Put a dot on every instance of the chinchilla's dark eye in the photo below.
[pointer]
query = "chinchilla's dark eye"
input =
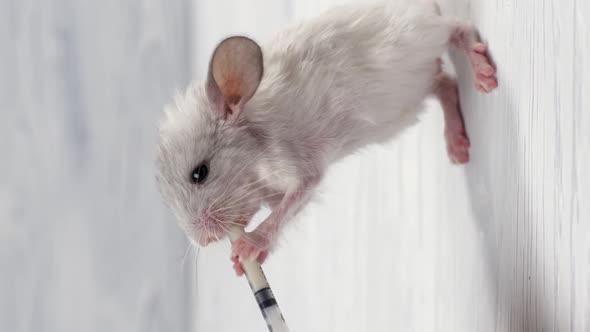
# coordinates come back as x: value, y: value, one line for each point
x: 199, y: 174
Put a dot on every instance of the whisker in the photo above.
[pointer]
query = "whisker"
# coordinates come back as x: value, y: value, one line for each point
x: 223, y: 225
x: 230, y: 199
x: 239, y: 172
x: 197, y: 251
x: 231, y: 223
x: 233, y: 200
x: 244, y: 186
x: 207, y: 231
x: 224, y: 228
x: 241, y: 203
x: 264, y: 232
x: 238, y: 204
x: 248, y: 164
x: 186, y: 251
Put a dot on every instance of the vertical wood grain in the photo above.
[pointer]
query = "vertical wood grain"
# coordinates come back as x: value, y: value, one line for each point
x: 85, y: 244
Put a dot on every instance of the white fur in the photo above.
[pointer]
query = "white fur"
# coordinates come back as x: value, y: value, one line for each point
x: 355, y: 75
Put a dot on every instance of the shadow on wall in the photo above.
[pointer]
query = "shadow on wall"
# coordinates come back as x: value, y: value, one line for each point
x: 498, y: 193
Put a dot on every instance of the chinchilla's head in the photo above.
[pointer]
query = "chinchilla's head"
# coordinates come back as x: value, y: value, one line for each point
x: 207, y: 153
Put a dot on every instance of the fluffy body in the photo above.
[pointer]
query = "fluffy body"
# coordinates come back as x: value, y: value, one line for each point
x: 354, y: 76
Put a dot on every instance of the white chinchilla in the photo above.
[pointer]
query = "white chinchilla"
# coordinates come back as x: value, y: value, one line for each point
x: 268, y: 121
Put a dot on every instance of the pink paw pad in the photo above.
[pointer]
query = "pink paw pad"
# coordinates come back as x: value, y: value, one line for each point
x: 485, y: 73
x: 458, y: 146
x: 239, y: 269
x: 247, y: 248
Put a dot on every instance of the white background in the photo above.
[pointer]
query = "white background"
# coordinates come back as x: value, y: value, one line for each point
x: 399, y: 240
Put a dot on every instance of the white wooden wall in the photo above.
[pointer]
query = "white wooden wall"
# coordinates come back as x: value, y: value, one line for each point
x: 85, y: 244
x: 399, y: 239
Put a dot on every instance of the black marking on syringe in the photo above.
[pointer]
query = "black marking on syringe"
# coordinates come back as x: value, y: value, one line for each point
x: 265, y: 298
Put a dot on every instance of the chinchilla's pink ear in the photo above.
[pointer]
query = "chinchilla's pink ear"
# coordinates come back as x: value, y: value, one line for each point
x: 235, y: 71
